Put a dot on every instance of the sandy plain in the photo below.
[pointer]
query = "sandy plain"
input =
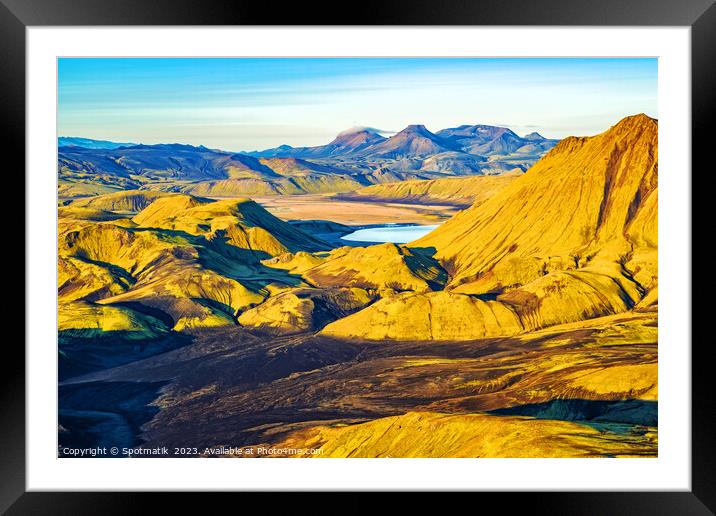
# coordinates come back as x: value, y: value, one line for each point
x: 354, y: 213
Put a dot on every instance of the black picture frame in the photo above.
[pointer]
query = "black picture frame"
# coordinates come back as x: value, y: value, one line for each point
x: 700, y: 15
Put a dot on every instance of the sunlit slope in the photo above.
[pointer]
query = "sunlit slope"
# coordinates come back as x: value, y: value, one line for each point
x: 458, y: 190
x: 181, y: 276
x: 436, y: 435
x: 242, y: 222
x: 78, y: 213
x: 383, y: 266
x: 290, y: 176
x: 428, y: 316
x: 310, y: 184
x: 195, y: 262
x: 572, y: 239
x: 75, y: 189
x: 344, y: 280
x: 588, y: 198
x: 82, y: 319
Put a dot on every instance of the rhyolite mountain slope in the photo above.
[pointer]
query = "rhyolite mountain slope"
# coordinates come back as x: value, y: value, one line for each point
x: 589, y: 198
x: 130, y: 201
x: 168, y: 261
x: 572, y: 239
x: 383, y: 266
x: 144, y: 263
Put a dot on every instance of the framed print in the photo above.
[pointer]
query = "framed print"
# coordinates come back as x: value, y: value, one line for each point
x: 418, y: 252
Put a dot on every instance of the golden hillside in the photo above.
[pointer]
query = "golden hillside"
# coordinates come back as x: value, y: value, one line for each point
x: 194, y: 261
x: 291, y: 185
x: 428, y: 316
x: 436, y: 435
x: 383, y: 266
x: 573, y: 238
x: 587, y: 199
x: 241, y: 221
x: 454, y: 190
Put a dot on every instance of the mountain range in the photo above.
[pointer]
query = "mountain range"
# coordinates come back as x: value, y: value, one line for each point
x: 417, y: 141
x: 355, y: 158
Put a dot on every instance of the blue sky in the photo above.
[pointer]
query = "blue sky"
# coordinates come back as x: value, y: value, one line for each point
x: 256, y: 103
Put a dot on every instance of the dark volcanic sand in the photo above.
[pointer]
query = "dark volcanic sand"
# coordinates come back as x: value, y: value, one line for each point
x: 232, y: 387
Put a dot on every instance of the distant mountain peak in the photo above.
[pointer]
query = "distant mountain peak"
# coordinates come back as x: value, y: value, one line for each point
x: 412, y: 142
x: 359, y: 129
x: 416, y: 128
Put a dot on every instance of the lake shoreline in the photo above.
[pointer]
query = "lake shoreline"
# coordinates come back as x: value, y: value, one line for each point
x: 395, y: 233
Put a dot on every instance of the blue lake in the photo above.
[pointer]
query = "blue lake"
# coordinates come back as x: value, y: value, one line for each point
x: 389, y: 233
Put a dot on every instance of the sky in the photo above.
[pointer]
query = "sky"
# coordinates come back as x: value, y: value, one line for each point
x: 257, y: 103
